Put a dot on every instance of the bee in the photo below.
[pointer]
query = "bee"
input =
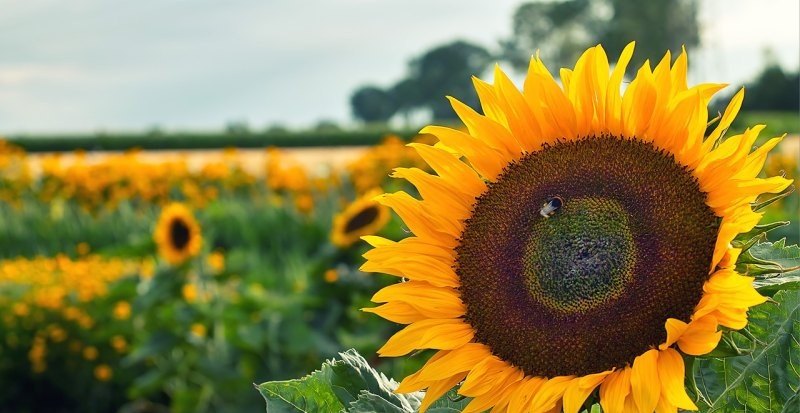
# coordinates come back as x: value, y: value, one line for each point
x: 551, y: 206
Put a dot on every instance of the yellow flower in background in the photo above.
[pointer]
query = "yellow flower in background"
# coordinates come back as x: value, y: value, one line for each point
x: 119, y: 344
x: 82, y: 248
x: 304, y: 203
x: 103, y: 372
x: 331, y: 275
x: 122, y: 310
x: 575, y: 240
x: 177, y: 234
x: 198, y: 330
x: 362, y: 217
x: 216, y: 260
x: 90, y: 353
x: 189, y: 292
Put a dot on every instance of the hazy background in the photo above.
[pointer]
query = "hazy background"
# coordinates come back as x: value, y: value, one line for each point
x: 92, y: 64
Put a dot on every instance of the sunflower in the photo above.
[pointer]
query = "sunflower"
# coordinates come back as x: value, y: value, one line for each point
x: 575, y: 242
x: 177, y: 234
x: 362, y: 217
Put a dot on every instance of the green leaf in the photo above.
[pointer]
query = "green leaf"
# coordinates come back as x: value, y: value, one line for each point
x: 344, y: 384
x: 758, y: 230
x: 768, y: 379
x: 354, y: 374
x: 451, y: 402
x: 312, y: 393
x: 780, y: 264
x: 372, y: 403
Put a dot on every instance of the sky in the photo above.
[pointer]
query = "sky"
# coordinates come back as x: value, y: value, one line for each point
x: 89, y: 65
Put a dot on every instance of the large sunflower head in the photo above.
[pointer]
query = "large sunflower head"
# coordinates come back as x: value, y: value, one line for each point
x: 575, y: 242
x: 361, y: 217
x: 177, y: 234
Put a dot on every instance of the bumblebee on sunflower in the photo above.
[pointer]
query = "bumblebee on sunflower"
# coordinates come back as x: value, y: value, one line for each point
x: 177, y: 234
x: 575, y: 242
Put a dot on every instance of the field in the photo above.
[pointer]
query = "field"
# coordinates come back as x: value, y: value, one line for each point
x: 101, y: 312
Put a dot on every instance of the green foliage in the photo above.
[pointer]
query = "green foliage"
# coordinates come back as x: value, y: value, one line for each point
x: 775, y: 266
x: 372, y: 104
x: 348, y: 384
x: 767, y: 377
x: 203, y: 140
x: 561, y: 30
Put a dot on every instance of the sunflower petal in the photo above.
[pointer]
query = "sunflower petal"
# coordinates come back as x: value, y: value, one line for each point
x: 440, y: 334
x: 645, y: 386
x: 671, y: 376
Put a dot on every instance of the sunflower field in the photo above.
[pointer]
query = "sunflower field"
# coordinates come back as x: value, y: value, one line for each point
x: 153, y: 284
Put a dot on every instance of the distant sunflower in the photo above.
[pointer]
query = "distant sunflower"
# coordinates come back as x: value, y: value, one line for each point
x: 362, y: 217
x: 581, y: 244
x: 177, y: 234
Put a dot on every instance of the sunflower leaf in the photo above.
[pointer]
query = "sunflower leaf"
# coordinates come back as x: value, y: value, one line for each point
x: 346, y: 384
x: 775, y: 266
x: 372, y: 403
x: 783, y: 194
x: 758, y: 230
x: 451, y: 402
x: 767, y: 379
x: 312, y: 393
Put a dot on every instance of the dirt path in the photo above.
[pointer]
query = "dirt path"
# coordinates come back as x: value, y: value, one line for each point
x: 315, y: 159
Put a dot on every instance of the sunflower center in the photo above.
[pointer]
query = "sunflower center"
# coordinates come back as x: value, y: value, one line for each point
x: 578, y: 253
x: 588, y: 245
x: 179, y: 233
x: 363, y: 218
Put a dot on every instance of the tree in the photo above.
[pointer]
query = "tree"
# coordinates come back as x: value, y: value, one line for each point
x: 372, y: 104
x: 563, y: 29
x: 444, y: 71
x: 774, y: 90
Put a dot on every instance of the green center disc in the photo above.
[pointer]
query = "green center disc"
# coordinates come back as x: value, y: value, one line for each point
x: 589, y: 249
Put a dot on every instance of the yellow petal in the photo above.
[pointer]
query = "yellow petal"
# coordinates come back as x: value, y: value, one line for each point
x: 614, y: 390
x: 487, y: 130
x: 671, y: 374
x: 725, y: 122
x: 450, y: 168
x: 437, y: 334
x: 579, y: 389
x: 700, y: 337
x: 675, y: 329
x: 397, y: 312
x: 645, y: 386
x: 550, y: 393
x: 486, y: 160
x: 459, y: 360
x: 613, y: 111
x: 438, y: 389
x: 415, y: 216
x: 520, y: 402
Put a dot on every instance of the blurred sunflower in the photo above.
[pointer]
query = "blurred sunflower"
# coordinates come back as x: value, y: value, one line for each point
x: 362, y: 217
x: 581, y: 245
x: 177, y: 234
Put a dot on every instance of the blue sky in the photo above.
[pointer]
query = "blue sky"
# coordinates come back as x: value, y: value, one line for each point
x: 84, y: 65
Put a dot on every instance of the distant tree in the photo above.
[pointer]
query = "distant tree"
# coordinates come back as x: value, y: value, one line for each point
x: 372, y: 104
x: 563, y: 29
x: 407, y: 97
x: 559, y: 31
x: 656, y: 25
x: 444, y: 71
x: 237, y: 127
x: 327, y: 125
x: 277, y: 128
x: 774, y: 89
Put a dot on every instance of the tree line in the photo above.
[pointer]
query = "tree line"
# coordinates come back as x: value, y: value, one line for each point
x: 560, y: 31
